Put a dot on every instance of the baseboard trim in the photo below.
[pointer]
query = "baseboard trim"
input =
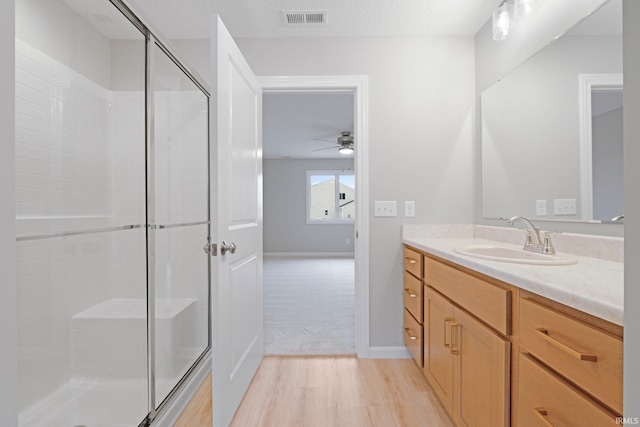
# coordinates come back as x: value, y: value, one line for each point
x: 171, y: 413
x: 310, y: 254
x: 389, y: 352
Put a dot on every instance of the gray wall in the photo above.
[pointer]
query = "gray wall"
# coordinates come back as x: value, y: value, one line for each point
x: 420, y: 138
x: 421, y: 97
x: 631, y: 105
x: 8, y: 314
x: 285, y: 207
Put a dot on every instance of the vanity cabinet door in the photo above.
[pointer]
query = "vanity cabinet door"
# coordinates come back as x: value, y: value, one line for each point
x: 438, y: 360
x: 481, y: 369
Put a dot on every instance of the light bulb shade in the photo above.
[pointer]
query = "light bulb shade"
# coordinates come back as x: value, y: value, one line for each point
x: 345, y: 149
x: 524, y: 7
x: 503, y: 20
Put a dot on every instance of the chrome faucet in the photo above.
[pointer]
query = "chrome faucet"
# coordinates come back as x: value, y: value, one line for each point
x: 542, y: 244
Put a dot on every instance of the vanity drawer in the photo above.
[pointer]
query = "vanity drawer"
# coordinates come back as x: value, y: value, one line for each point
x: 413, y: 296
x: 413, y: 262
x: 490, y: 303
x: 586, y: 356
x: 413, y: 337
x: 547, y: 400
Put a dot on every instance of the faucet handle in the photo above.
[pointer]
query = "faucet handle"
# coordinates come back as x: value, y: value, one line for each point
x: 547, y: 247
x: 528, y: 243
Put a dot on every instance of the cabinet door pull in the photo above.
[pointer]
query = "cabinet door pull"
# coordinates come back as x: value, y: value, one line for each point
x: 452, y: 349
x: 411, y: 294
x: 411, y: 260
x: 544, y: 334
x: 541, y: 413
x: 411, y: 336
x: 446, y: 320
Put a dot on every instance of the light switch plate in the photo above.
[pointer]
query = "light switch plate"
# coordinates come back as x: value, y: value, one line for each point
x: 385, y: 208
x: 564, y: 206
x: 409, y: 209
x: 541, y: 207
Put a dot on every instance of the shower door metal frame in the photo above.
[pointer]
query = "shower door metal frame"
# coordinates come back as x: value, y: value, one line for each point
x: 153, y: 39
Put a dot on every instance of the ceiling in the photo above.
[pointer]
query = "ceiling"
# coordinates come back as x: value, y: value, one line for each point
x: 189, y: 19
x: 294, y: 125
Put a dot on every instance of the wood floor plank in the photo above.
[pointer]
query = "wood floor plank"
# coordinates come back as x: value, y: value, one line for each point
x: 198, y: 411
x: 331, y: 391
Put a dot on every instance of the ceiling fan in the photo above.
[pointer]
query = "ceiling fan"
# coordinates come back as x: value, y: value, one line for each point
x: 344, y: 142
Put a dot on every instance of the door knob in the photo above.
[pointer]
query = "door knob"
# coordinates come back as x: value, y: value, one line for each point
x: 227, y: 247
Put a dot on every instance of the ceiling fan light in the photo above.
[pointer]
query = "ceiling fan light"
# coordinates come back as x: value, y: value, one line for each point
x: 345, y: 149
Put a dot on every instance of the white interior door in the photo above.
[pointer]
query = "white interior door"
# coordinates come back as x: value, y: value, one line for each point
x: 237, y: 332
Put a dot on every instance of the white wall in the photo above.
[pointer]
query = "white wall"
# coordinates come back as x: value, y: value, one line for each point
x: 8, y: 307
x: 631, y: 105
x: 420, y: 138
x: 54, y: 28
x: 285, y: 198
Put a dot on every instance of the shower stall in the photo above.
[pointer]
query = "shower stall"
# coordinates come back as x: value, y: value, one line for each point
x: 112, y: 213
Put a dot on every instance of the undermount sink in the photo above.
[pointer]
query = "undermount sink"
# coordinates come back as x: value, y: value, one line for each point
x: 519, y: 256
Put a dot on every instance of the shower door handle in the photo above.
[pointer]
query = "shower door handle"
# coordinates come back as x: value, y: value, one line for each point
x: 227, y: 247
x: 211, y: 249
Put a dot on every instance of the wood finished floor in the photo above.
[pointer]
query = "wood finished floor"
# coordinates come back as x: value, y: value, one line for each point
x: 330, y: 391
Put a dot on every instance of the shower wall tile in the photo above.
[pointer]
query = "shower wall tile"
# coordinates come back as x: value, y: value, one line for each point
x: 63, y: 154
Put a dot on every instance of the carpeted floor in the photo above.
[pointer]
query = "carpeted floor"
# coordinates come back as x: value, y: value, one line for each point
x: 309, y: 306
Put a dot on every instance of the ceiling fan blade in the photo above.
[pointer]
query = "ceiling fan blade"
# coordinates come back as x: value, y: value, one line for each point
x: 325, y: 140
x: 327, y: 148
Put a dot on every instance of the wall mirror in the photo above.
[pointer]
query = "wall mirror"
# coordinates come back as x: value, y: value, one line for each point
x: 552, y: 128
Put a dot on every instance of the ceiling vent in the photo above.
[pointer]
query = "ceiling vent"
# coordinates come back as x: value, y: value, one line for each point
x: 304, y: 17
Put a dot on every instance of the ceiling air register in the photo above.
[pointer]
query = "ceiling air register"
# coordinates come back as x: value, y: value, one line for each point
x: 304, y: 17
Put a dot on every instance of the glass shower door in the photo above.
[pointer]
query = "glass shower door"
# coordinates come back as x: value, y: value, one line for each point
x: 80, y: 215
x: 180, y: 161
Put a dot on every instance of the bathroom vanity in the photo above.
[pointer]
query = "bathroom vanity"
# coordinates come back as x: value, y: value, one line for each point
x: 511, y: 343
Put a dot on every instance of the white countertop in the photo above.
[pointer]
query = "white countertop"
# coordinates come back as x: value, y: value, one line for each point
x: 593, y: 285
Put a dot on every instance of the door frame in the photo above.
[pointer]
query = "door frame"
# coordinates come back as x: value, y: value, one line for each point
x: 587, y: 84
x: 358, y: 86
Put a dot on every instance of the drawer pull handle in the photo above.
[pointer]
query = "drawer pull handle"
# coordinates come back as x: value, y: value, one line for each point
x: 446, y: 320
x: 544, y: 334
x: 541, y: 413
x: 411, y: 260
x: 452, y: 349
x: 411, y: 294
x: 411, y: 336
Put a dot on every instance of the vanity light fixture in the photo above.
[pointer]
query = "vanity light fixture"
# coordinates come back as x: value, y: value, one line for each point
x: 503, y: 20
x: 524, y: 7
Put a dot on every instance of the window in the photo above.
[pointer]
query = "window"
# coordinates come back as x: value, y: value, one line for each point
x: 330, y: 197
